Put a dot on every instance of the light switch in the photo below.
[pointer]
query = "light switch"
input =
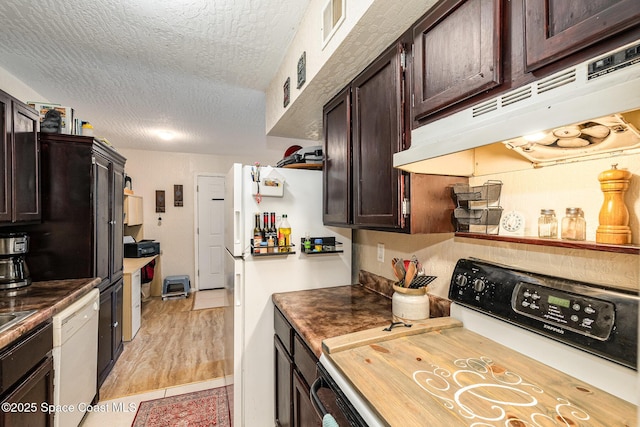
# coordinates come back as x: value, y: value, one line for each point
x: 381, y: 252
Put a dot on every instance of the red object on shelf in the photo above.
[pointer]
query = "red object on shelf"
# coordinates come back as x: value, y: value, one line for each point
x: 291, y: 150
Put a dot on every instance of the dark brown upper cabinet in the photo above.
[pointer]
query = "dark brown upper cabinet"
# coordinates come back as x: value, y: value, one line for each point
x: 457, y: 54
x: 364, y: 125
x: 20, y: 158
x: 555, y: 29
x: 378, y: 129
x: 336, y: 207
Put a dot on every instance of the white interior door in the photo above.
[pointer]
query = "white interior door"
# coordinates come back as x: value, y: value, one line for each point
x: 210, y: 232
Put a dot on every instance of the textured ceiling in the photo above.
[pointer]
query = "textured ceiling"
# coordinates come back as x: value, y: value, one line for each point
x: 196, y: 67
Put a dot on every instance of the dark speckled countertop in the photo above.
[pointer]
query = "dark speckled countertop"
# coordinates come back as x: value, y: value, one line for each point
x: 329, y: 312
x: 49, y: 298
x: 319, y: 314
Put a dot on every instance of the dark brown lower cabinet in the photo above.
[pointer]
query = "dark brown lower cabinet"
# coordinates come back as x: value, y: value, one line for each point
x: 303, y: 412
x: 28, y: 398
x: 284, y: 372
x: 110, y: 342
x: 294, y: 373
x: 27, y: 381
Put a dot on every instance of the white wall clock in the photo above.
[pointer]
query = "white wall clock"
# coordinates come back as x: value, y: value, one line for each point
x: 512, y: 224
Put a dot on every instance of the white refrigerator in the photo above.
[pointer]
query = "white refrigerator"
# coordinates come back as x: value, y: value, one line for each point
x: 250, y: 280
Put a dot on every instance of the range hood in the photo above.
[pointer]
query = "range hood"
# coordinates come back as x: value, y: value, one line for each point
x: 586, y: 111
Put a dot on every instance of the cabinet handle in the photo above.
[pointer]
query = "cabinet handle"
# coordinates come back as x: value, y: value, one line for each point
x: 115, y: 325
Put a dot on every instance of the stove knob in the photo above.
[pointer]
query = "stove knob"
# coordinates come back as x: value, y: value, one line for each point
x: 461, y: 280
x: 479, y: 285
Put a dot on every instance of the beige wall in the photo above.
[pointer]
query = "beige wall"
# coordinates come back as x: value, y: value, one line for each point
x: 555, y: 187
x: 155, y: 170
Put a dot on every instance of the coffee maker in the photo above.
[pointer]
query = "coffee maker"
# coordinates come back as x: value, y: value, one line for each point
x: 14, y: 273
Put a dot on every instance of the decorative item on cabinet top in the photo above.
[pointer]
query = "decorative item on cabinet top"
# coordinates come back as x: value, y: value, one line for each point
x: 55, y: 118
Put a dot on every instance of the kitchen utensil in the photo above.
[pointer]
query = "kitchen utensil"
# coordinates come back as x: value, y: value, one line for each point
x: 421, y: 281
x: 613, y: 218
x: 394, y: 261
x: 399, y: 270
x: 410, y: 274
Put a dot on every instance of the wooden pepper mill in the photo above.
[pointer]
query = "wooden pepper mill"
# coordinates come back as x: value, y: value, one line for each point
x: 613, y: 219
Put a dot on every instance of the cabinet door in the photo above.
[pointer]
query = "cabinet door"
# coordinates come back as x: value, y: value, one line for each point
x: 284, y: 370
x: 133, y: 209
x: 25, y: 165
x: 118, y: 306
x: 556, y: 28
x: 304, y: 414
x: 336, y: 206
x: 117, y: 219
x: 135, y: 302
x: 35, y: 389
x: 102, y: 218
x: 376, y: 106
x: 105, y: 361
x: 457, y: 54
x: 5, y: 158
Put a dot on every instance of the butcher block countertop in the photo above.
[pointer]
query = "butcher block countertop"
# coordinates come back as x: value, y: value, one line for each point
x: 49, y: 298
x: 439, y: 373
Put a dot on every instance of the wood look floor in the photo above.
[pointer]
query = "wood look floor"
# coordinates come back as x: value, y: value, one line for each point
x: 174, y: 346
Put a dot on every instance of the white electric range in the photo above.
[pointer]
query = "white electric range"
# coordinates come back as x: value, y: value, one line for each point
x: 520, y: 349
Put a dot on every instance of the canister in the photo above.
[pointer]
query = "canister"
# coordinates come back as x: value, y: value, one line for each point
x: 574, y: 227
x: 409, y: 305
x: 547, y: 224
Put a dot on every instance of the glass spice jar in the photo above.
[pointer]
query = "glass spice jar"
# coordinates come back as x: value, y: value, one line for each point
x: 574, y: 227
x: 547, y: 224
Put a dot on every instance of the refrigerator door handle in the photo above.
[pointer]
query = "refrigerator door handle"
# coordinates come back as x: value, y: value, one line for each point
x: 236, y: 229
x: 237, y: 286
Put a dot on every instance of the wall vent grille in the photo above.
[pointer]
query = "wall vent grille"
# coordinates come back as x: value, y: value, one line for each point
x: 557, y: 81
x: 485, y: 108
x: 516, y: 96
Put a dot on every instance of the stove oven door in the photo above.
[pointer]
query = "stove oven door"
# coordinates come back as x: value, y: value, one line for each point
x: 329, y: 401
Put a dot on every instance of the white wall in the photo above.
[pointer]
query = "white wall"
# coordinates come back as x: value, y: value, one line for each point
x: 556, y: 187
x: 159, y: 170
x: 16, y: 88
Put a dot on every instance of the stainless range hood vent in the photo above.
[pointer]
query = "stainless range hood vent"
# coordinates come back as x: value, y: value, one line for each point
x: 556, y: 81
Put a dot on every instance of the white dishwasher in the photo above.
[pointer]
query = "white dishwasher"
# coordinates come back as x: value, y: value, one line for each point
x: 75, y: 359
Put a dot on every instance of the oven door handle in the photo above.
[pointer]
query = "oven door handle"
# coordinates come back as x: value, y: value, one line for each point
x: 327, y: 418
x: 315, y: 399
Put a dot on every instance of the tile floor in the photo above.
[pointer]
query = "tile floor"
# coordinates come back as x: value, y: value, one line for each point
x: 210, y: 298
x: 121, y: 412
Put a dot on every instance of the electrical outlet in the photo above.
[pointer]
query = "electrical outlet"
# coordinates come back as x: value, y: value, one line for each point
x: 381, y: 252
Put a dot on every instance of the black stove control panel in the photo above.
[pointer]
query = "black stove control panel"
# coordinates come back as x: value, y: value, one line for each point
x: 583, y: 315
x: 594, y: 318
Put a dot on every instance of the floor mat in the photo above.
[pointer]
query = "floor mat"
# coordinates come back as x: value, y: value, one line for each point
x: 197, y: 409
x: 210, y: 299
